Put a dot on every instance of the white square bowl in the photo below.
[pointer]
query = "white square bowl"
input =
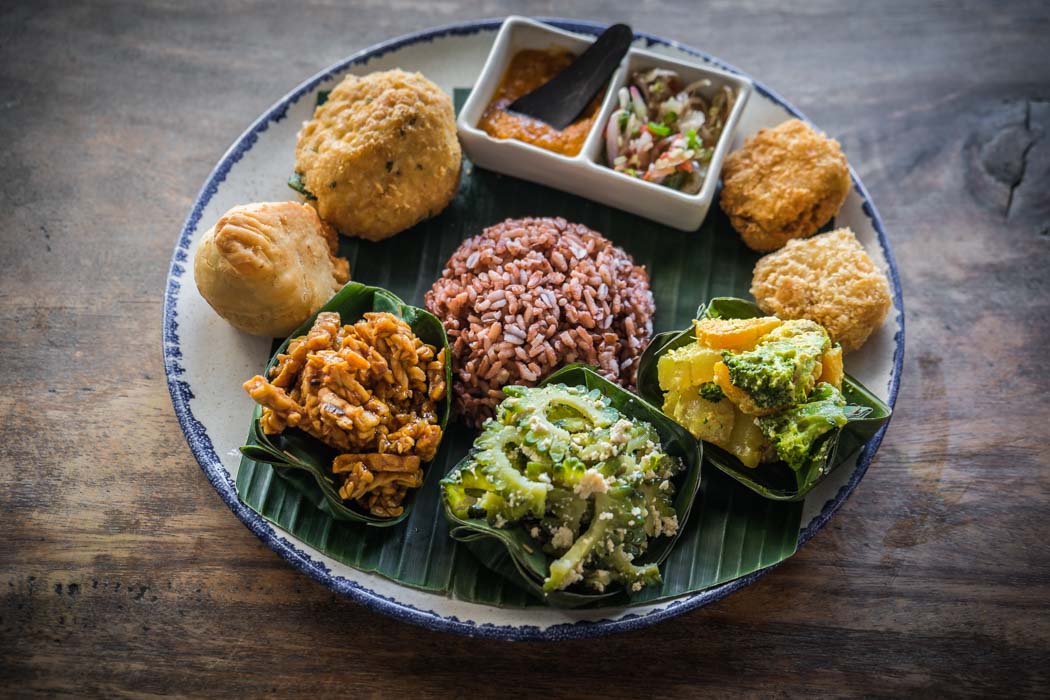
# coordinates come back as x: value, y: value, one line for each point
x: 585, y: 174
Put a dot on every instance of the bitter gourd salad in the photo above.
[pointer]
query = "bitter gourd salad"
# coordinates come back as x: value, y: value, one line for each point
x: 577, y: 483
x: 588, y: 483
x: 769, y: 397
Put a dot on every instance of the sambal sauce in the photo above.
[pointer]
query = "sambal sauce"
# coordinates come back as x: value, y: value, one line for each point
x: 528, y: 70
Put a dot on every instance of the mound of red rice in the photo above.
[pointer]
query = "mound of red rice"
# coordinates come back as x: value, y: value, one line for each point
x: 528, y: 296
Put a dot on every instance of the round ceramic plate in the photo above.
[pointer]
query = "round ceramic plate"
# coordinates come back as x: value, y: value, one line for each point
x: 206, y: 360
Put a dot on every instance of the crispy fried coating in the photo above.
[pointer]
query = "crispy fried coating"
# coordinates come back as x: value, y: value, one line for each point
x: 381, y: 154
x: 369, y: 390
x: 784, y: 183
x: 829, y: 279
x: 267, y: 267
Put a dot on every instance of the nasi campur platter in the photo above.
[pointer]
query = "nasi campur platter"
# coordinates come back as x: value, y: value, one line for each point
x: 468, y: 392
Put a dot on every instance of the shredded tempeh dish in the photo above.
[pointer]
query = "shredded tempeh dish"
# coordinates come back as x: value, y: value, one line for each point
x: 370, y: 390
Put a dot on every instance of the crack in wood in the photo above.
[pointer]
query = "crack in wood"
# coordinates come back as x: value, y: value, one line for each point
x: 1024, y: 158
x: 1006, y: 159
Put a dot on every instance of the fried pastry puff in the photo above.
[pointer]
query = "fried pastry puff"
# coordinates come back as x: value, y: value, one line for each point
x: 267, y: 267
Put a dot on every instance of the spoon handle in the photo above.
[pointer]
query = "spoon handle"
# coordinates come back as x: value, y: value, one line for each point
x: 561, y: 99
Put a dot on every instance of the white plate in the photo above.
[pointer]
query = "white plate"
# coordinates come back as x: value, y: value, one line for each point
x: 206, y: 360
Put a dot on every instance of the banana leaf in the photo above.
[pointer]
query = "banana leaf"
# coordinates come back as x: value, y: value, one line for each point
x: 530, y: 564
x: 295, y: 181
x: 303, y: 460
x: 774, y: 480
x: 731, y: 532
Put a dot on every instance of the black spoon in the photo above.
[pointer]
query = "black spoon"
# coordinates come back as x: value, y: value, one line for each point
x: 563, y: 98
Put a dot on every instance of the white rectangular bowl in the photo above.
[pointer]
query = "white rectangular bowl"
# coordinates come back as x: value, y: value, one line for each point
x: 585, y: 174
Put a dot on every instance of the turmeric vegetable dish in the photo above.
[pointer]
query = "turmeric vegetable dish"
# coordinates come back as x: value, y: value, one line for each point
x: 588, y: 483
x: 763, y: 389
x: 369, y: 390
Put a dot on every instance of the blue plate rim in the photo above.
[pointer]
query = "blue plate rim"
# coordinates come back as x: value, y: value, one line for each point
x: 200, y: 444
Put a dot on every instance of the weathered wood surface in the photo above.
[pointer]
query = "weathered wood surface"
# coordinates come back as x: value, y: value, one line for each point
x: 123, y: 573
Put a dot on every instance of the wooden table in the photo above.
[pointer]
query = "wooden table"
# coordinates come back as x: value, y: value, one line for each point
x: 124, y: 574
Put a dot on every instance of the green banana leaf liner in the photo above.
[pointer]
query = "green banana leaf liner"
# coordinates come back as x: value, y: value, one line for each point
x: 305, y: 461
x: 773, y: 480
x: 513, y: 553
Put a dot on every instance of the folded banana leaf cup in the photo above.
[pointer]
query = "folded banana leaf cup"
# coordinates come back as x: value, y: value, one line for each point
x: 774, y: 480
x: 512, y: 552
x: 305, y: 461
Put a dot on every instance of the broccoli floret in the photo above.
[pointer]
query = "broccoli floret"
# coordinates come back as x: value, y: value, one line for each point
x: 709, y: 391
x: 780, y: 370
x: 794, y: 431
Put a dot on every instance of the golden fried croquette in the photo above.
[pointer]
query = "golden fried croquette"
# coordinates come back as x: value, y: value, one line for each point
x: 784, y: 183
x: 381, y: 154
x: 269, y: 266
x: 828, y: 279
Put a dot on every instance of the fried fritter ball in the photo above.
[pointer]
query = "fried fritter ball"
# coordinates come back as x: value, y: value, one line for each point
x: 269, y: 266
x: 828, y: 279
x: 784, y: 183
x: 381, y: 154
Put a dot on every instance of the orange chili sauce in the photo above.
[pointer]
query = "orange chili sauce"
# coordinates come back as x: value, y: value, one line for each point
x: 528, y: 70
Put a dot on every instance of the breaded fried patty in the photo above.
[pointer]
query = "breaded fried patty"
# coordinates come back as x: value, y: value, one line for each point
x: 784, y: 183
x: 381, y: 154
x: 829, y: 279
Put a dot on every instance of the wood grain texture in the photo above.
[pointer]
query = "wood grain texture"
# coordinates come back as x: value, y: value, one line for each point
x: 123, y: 574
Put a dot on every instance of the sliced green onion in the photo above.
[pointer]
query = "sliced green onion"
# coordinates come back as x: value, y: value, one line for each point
x: 691, y: 141
x: 659, y: 129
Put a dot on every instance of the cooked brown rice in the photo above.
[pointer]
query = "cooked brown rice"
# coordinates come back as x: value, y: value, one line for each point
x: 530, y: 295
